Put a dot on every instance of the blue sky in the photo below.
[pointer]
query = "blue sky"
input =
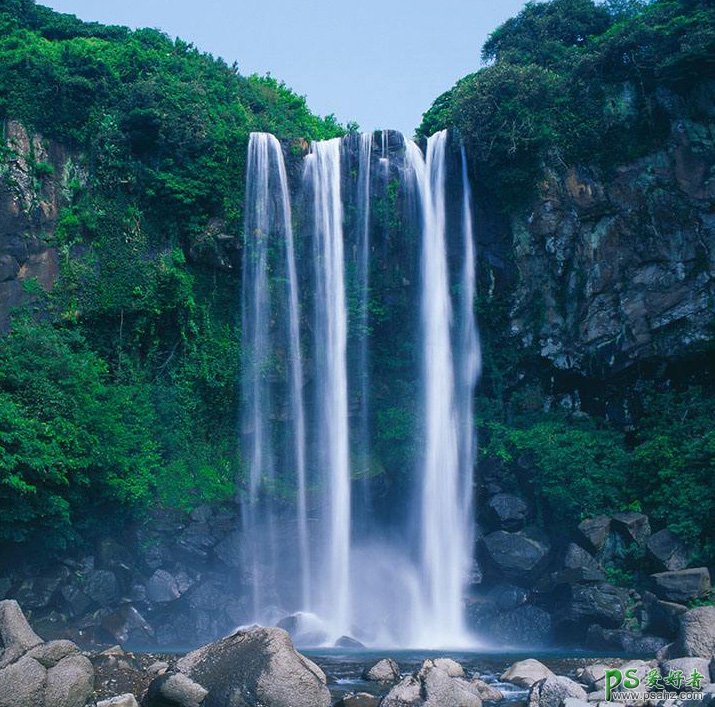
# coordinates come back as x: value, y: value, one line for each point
x: 379, y: 62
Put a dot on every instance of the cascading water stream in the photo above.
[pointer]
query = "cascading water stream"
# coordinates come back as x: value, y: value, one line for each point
x: 322, y: 170
x: 389, y: 579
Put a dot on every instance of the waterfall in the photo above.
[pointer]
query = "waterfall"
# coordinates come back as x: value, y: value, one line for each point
x: 384, y: 575
x: 269, y: 248
x: 322, y: 170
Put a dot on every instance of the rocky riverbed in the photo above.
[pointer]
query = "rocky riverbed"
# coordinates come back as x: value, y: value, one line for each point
x: 260, y: 667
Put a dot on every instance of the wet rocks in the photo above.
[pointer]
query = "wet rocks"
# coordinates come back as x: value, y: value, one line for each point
x: 32, y: 672
x: 668, y: 550
x: 257, y: 666
x: 526, y: 672
x: 697, y: 632
x: 385, y: 671
x: 515, y: 555
x: 682, y: 585
x: 553, y: 691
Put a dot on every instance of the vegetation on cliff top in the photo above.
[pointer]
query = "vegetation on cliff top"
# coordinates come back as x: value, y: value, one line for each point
x: 574, y: 81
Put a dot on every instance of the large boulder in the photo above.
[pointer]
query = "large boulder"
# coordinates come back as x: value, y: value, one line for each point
x: 255, y: 666
x: 162, y: 587
x: 553, y: 691
x: 582, y: 605
x: 16, y: 635
x: 507, y: 512
x: 595, y: 531
x: 697, y: 632
x: 176, y: 690
x: 127, y: 700
x: 38, y: 674
x: 442, y: 687
x: 682, y: 585
x: 515, y: 555
x: 525, y: 673
x: 407, y: 693
x: 583, y: 564
x: 526, y: 625
x: 662, y: 617
x: 668, y: 550
x: 385, y: 671
x: 687, y: 666
x: 633, y: 527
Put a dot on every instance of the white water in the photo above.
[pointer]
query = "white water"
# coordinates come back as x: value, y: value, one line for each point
x: 322, y: 170
x: 393, y: 586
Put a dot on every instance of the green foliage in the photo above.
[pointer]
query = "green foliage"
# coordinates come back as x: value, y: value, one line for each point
x: 69, y: 438
x: 572, y: 81
x: 125, y: 394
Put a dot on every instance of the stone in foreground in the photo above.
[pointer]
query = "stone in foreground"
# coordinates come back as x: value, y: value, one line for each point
x: 258, y: 666
x: 697, y: 632
x: 554, y: 691
x: 526, y: 672
x: 385, y: 671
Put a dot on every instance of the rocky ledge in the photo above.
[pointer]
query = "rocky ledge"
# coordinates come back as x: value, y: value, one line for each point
x: 259, y: 667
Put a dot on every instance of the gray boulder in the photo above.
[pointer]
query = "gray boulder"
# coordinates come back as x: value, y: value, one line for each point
x: 385, y: 671
x: 451, y: 667
x: 515, y: 555
x: 697, y: 632
x: 162, y: 587
x: 554, y: 690
x: 603, y: 604
x: 682, y: 585
x: 508, y: 512
x: 595, y: 531
x: 16, y: 635
x: 526, y: 672
x: 442, y: 689
x: 487, y: 692
x: 176, y: 690
x: 102, y: 587
x: 38, y: 674
x: 632, y: 526
x: 359, y: 699
x: 582, y: 563
x: 687, y: 665
x: 256, y: 666
x: 70, y: 683
x: 667, y: 549
x: 407, y: 693
x: 127, y: 700
x: 662, y: 617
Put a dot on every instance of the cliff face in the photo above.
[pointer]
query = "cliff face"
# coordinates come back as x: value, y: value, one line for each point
x: 34, y: 176
x: 612, y: 268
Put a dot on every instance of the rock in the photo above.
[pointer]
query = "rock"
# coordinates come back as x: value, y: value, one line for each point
x: 578, y: 559
x: 515, y: 555
x: 22, y: 684
x: 662, y: 617
x: 697, y: 632
x: 442, y: 690
x: 51, y: 653
x: 581, y: 605
x: 70, y: 683
x: 348, y: 642
x: 553, y: 690
x: 76, y: 601
x: 576, y: 702
x: 384, y: 671
x: 451, y: 667
x: 162, y: 587
x: 16, y: 636
x: 127, y: 700
x: 176, y: 690
x: 595, y: 531
x: 667, y: 549
x: 623, y: 640
x: 407, y: 693
x: 524, y: 626
x: 360, y: 699
x: 634, y: 527
x: 258, y: 665
x: 687, y: 665
x: 158, y: 668
x: 507, y: 596
x: 38, y: 592
x: 202, y: 513
x: 126, y: 623
x: 508, y: 512
x: 102, y: 587
x: 526, y: 672
x: 682, y: 585
x: 487, y: 692
x: 594, y: 675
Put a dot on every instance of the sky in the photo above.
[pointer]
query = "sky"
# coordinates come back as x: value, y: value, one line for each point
x: 380, y: 63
